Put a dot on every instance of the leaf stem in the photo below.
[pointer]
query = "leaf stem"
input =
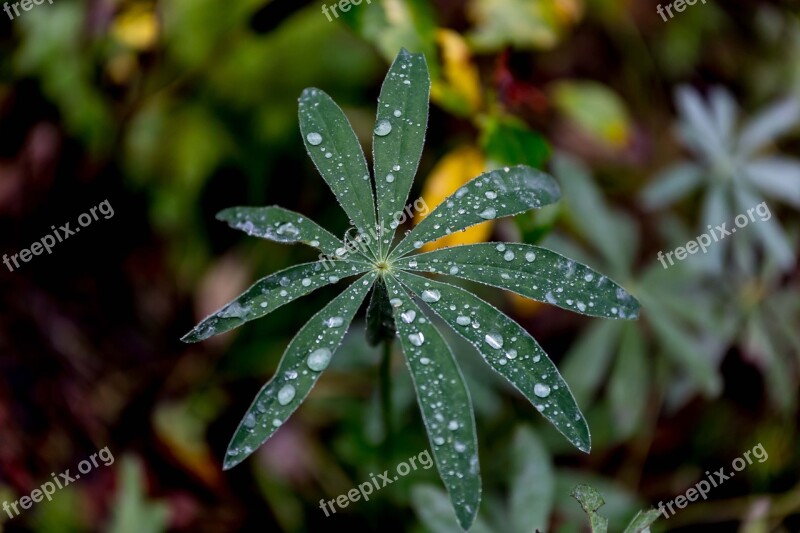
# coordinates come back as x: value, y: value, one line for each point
x: 386, y: 395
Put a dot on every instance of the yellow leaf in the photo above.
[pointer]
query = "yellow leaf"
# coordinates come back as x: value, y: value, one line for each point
x: 459, y: 87
x: 454, y: 170
x: 137, y: 27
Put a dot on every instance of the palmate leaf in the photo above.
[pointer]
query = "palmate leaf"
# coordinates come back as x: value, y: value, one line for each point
x: 495, y: 194
x: 301, y: 365
x: 281, y: 225
x: 443, y: 401
x: 533, y: 272
x: 272, y: 292
x: 509, y: 350
x: 399, y: 135
x: 334, y: 148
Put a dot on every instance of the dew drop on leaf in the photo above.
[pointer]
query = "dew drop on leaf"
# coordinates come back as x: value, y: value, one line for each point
x: 495, y: 340
x: 383, y: 128
x: 409, y: 316
x: 286, y: 394
x: 416, y: 339
x: 488, y: 214
x: 541, y: 390
x: 314, y: 138
x: 318, y: 359
x: 431, y: 295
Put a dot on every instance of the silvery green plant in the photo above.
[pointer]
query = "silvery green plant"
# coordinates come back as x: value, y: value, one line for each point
x: 397, y: 283
x: 732, y: 163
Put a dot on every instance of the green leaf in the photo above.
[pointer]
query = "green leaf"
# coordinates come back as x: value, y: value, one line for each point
x: 327, y: 132
x: 508, y: 141
x: 585, y: 364
x: 596, y: 109
x: 532, y: 483
x: 436, y: 514
x: 399, y: 136
x: 494, y: 194
x: 307, y: 355
x: 629, y: 383
x: 533, y: 272
x: 133, y: 512
x: 509, y: 350
x: 591, y: 501
x: 281, y: 225
x: 380, y: 322
x: 642, y: 521
x: 444, y: 402
x: 671, y: 185
x: 270, y: 293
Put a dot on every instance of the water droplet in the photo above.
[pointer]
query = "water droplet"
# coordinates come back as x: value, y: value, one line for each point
x: 530, y: 256
x: 541, y: 390
x: 334, y: 322
x: 306, y: 282
x: 396, y: 168
x: 588, y: 277
x: 395, y: 302
x: 508, y: 256
x: 283, y: 293
x: 418, y: 244
x: 500, y: 247
x: 409, y: 316
x: 511, y: 354
x: 276, y: 422
x: 383, y: 128
x: 318, y: 359
x: 424, y: 360
x: 431, y: 295
x: 413, y: 263
x: 328, y: 155
x: 462, y: 320
x: 416, y: 339
x: 288, y: 230
x: 495, y: 340
x: 397, y: 112
x: 537, y: 358
x: 314, y: 138
x: 491, y: 195
x: 389, y: 177
x: 438, y: 441
x: 489, y: 213
x: 249, y: 421
x: 460, y: 447
x: 286, y: 394
x: 452, y: 425
x: 333, y: 279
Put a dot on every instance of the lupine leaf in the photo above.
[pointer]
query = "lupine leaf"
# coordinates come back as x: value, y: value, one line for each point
x: 307, y: 355
x: 270, y: 293
x: 436, y: 513
x: 509, y: 350
x: 399, y: 135
x: 327, y: 132
x: 642, y: 521
x: 444, y: 402
x: 591, y: 501
x: 533, y: 272
x: 495, y: 194
x: 532, y: 483
x: 280, y: 225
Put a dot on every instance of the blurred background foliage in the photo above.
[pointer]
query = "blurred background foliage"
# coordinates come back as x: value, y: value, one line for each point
x: 175, y: 110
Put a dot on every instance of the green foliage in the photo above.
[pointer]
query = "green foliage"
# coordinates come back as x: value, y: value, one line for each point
x: 591, y: 501
x: 442, y: 395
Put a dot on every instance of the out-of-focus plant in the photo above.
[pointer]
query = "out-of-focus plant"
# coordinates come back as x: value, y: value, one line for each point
x: 591, y: 501
x: 730, y: 166
x: 530, y: 271
x: 675, y: 327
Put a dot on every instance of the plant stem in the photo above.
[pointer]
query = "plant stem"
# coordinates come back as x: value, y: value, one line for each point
x: 386, y: 394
